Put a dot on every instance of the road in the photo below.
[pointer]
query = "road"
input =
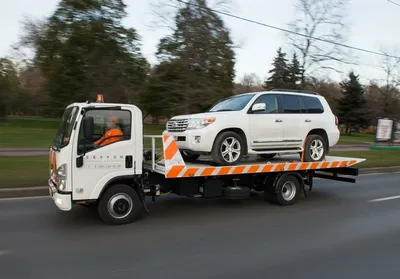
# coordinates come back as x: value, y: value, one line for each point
x: 334, y: 233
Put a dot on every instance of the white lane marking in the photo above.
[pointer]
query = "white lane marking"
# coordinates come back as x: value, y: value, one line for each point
x: 25, y: 198
x: 385, y: 199
x: 4, y: 252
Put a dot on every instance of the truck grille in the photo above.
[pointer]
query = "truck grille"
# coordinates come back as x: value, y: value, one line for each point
x: 177, y: 125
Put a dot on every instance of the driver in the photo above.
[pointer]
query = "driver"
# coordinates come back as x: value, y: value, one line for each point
x: 112, y: 134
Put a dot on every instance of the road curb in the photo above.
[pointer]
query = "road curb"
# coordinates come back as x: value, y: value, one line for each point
x: 25, y: 192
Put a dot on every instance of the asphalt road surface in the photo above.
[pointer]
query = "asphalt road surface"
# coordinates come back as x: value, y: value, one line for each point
x: 337, y: 232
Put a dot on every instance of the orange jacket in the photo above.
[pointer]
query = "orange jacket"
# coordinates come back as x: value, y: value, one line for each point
x: 110, y: 136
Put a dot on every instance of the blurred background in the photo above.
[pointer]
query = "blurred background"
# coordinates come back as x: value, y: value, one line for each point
x: 177, y: 57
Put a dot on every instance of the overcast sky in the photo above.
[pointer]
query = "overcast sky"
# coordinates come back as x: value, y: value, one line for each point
x: 374, y: 23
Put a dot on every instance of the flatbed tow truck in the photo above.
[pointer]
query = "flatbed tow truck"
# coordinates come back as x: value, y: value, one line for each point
x: 118, y: 177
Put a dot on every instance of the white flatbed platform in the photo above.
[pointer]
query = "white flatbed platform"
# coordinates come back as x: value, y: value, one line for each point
x: 172, y: 165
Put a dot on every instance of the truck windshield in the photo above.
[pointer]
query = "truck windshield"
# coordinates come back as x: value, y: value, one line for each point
x: 64, y: 130
x: 234, y: 103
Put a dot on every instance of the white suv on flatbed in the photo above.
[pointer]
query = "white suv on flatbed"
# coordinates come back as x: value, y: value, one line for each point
x: 263, y: 123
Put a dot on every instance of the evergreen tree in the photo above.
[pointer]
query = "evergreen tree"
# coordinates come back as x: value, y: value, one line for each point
x: 85, y: 50
x: 279, y: 77
x: 295, y: 73
x: 352, y: 106
x: 202, y: 47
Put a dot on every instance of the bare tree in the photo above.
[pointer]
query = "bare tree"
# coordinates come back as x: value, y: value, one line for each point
x: 385, y: 97
x: 249, y: 82
x: 319, y: 20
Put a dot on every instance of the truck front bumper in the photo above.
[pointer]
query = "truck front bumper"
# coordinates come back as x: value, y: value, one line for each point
x: 62, y: 200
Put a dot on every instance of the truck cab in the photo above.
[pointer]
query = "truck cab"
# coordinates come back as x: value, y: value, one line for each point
x: 81, y: 170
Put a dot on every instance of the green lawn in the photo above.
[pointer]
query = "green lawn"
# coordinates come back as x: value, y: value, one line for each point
x: 24, y: 171
x: 33, y: 171
x: 356, y: 138
x: 39, y: 132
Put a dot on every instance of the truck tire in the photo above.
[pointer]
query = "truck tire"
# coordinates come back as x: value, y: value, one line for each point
x: 314, y: 149
x: 235, y: 152
x: 119, y: 205
x: 286, y: 190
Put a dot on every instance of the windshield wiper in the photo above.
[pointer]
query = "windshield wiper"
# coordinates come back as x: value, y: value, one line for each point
x: 224, y: 110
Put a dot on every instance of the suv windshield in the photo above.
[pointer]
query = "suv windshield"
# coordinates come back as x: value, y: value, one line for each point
x: 64, y: 130
x: 234, y: 103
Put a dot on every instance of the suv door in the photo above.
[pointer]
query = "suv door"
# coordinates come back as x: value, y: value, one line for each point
x: 265, y: 126
x: 293, y: 117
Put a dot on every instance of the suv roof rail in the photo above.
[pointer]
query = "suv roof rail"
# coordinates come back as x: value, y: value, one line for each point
x: 295, y: 90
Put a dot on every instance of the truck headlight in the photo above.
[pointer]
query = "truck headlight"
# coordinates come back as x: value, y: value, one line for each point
x: 61, y: 177
x: 199, y: 123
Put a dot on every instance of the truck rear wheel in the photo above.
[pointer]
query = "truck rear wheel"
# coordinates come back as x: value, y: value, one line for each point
x: 284, y: 191
x: 119, y: 205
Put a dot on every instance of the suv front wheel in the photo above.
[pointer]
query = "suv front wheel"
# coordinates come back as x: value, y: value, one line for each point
x: 314, y: 149
x: 228, y: 148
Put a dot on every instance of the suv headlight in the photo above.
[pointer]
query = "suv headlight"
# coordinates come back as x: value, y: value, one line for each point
x: 199, y: 123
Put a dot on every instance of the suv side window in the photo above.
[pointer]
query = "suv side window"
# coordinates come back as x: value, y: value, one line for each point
x: 110, y: 126
x: 271, y: 103
x: 290, y: 103
x: 313, y: 105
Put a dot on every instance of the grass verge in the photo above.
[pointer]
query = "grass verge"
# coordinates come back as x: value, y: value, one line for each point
x: 356, y: 138
x: 33, y: 171
x: 24, y: 171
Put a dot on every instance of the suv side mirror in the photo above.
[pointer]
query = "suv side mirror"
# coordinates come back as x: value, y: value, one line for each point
x: 258, y: 107
x: 88, y: 127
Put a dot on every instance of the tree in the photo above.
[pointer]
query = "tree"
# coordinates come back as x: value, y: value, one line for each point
x: 318, y: 19
x: 249, y: 82
x: 84, y: 50
x: 9, y: 86
x: 352, y: 106
x: 201, y: 45
x: 279, y: 74
x: 387, y: 94
x: 295, y: 75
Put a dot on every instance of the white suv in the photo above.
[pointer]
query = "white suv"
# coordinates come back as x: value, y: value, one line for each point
x: 262, y: 123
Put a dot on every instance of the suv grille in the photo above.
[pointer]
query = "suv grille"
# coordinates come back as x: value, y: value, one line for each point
x: 177, y: 125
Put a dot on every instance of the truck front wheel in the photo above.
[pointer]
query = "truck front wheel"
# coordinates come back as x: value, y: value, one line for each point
x: 119, y: 205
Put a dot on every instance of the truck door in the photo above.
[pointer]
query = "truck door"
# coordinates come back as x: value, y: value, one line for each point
x: 108, y: 155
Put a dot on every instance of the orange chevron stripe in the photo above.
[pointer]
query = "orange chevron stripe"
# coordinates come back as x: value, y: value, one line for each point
x: 174, y: 171
x: 171, y: 150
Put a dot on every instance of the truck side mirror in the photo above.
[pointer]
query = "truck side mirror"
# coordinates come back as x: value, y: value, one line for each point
x: 88, y: 127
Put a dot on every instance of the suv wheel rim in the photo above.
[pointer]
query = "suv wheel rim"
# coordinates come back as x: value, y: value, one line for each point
x: 230, y: 149
x: 316, y: 149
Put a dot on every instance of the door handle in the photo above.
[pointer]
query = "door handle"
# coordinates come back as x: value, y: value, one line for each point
x: 308, y: 120
x: 278, y: 120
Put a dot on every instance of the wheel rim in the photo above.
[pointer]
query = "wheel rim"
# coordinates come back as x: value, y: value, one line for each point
x: 120, y: 205
x: 288, y: 190
x: 316, y: 149
x: 230, y: 149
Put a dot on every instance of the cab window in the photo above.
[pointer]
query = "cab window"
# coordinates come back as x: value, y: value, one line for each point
x: 110, y: 126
